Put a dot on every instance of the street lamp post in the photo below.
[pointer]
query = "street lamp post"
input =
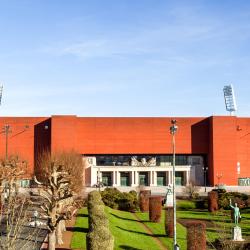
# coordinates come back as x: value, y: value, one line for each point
x: 205, y: 169
x: 173, y: 130
x: 6, y: 130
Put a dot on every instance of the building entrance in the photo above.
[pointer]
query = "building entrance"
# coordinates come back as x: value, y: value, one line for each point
x: 143, y: 178
x: 161, y: 178
x: 179, y: 178
x: 125, y: 179
x: 107, y: 178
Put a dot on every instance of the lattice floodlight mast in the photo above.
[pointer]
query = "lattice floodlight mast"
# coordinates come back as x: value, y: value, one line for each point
x: 1, y: 93
x: 229, y: 98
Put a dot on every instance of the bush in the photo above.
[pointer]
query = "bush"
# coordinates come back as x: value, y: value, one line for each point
x: 113, y: 198
x: 92, y: 204
x: 110, y: 197
x: 236, y: 197
x: 96, y: 221
x: 155, y: 208
x: 94, y: 196
x: 96, y: 209
x: 185, y: 205
x: 128, y: 202
x: 100, y: 238
x: 196, y: 235
x: 201, y: 204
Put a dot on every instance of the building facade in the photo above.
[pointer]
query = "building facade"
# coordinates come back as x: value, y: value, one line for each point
x: 138, y: 151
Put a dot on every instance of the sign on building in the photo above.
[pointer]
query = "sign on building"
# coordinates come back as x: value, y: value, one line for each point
x: 244, y: 181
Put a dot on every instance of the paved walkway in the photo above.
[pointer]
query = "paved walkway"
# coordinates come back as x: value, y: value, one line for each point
x: 67, y: 235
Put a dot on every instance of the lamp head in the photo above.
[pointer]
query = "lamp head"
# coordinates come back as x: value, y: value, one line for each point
x: 174, y: 127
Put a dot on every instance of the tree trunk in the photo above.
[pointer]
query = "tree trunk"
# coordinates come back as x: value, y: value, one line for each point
x: 52, y: 240
x: 59, y: 229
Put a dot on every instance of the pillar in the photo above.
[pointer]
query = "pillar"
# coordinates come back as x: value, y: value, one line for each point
x: 136, y: 178
x: 151, y: 178
x: 114, y: 178
x: 118, y: 178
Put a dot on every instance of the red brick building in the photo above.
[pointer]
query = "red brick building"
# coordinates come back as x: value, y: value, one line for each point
x: 221, y: 143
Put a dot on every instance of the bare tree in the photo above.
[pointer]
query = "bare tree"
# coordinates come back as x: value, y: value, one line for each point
x: 191, y: 190
x: 14, y: 209
x: 60, y: 179
x: 70, y: 161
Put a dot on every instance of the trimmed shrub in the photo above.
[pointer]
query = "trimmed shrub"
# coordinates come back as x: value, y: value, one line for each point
x: 96, y: 221
x: 144, y: 200
x: 169, y: 221
x: 155, y: 208
x: 212, y: 201
x: 185, y: 205
x: 96, y: 211
x: 94, y: 196
x: 92, y: 204
x: 100, y: 238
x: 196, y: 235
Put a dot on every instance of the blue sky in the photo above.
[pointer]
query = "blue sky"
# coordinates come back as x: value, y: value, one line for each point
x: 123, y: 58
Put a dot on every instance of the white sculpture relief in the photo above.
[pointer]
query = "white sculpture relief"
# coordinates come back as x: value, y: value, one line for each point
x: 143, y: 162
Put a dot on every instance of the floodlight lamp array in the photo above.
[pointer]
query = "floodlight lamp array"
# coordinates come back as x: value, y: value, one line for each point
x: 229, y: 98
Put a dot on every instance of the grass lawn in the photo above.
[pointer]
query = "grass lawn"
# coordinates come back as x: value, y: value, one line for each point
x: 159, y: 230
x: 128, y: 233
x: 80, y: 230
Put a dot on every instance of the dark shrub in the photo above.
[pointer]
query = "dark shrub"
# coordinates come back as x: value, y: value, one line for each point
x: 155, y: 208
x: 169, y: 221
x: 100, y: 238
x: 212, y: 201
x: 201, y: 204
x: 196, y: 235
x: 236, y: 197
x: 144, y: 200
x: 128, y: 202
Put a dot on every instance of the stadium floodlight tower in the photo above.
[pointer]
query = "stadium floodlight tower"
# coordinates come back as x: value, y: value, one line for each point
x: 229, y: 99
x: 1, y: 93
